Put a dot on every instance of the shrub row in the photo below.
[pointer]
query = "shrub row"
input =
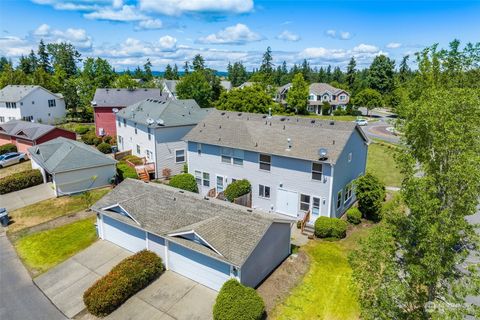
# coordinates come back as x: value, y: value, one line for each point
x: 124, y: 171
x: 184, y: 181
x: 237, y: 189
x: 123, y: 281
x: 20, y: 180
x: 330, y: 228
x: 82, y: 129
x: 6, y: 148
x: 354, y: 216
x: 237, y: 302
x: 92, y: 139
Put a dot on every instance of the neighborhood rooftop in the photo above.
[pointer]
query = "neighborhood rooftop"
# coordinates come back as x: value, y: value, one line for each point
x: 14, y: 93
x: 110, y: 97
x: 159, y: 113
x: 294, y: 137
x: 61, y: 154
x: 25, y: 129
x: 231, y: 231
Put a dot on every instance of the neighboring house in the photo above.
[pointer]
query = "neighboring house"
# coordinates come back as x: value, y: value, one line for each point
x: 227, y: 85
x: 246, y: 84
x: 25, y: 134
x: 154, y: 129
x: 294, y: 165
x: 72, y: 166
x: 108, y: 101
x: 318, y: 94
x: 31, y: 103
x: 169, y: 88
x: 207, y: 240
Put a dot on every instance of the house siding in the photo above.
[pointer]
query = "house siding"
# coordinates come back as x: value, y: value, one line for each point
x: 83, y: 179
x: 55, y: 133
x: 167, y: 141
x: 105, y: 119
x: 129, y: 140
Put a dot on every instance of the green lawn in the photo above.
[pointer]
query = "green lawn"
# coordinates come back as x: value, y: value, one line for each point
x: 50, y: 209
x: 19, y: 167
x: 44, y: 250
x: 72, y: 126
x: 326, y: 291
x: 382, y: 164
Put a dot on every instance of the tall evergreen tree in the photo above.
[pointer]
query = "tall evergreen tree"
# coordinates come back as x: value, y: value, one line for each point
x: 198, y: 63
x: 267, y: 62
x: 404, y: 71
x: 297, y: 96
x: 381, y: 74
x: 65, y: 57
x: 43, y: 58
x: 168, y: 73
x: 175, y: 74
x: 351, y: 73
x: 147, y: 68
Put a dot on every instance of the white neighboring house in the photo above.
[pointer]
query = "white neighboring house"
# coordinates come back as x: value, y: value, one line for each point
x: 31, y: 103
x: 153, y: 129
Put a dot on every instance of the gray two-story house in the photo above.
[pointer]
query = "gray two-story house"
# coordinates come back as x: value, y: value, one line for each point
x: 295, y: 165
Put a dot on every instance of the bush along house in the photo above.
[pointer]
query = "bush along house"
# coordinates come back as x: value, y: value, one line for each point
x: 295, y: 165
x: 153, y: 129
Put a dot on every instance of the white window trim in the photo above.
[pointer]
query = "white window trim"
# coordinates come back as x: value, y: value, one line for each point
x: 346, y: 192
x: 260, y: 162
x: 264, y: 186
x: 312, y: 171
x: 184, y: 156
x: 300, y: 201
x: 337, y: 206
x: 350, y: 157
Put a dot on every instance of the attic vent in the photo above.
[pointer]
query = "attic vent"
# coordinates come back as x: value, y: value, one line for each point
x: 313, y: 121
x: 333, y: 142
x: 282, y: 119
x: 332, y: 123
x: 239, y: 114
x: 223, y: 113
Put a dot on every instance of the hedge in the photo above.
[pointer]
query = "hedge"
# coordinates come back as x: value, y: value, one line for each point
x: 82, y: 129
x: 20, y: 180
x: 133, y: 159
x: 237, y: 189
x: 354, y: 216
x: 123, y: 281
x: 104, y: 148
x: 184, y: 181
x: 237, y: 302
x: 6, y: 148
x: 326, y: 227
x: 91, y: 138
x: 370, y: 193
x: 124, y: 171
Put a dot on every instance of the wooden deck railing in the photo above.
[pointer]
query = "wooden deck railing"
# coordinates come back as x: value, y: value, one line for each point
x: 305, y: 220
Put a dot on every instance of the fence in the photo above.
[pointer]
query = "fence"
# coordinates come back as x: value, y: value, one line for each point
x: 245, y: 200
x: 122, y: 154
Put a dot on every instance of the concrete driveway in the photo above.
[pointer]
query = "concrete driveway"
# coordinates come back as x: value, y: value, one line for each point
x: 25, y: 197
x: 65, y: 284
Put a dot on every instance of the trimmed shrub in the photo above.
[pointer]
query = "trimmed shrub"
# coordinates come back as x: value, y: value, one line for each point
x: 91, y: 138
x: 370, y: 193
x: 123, y: 281
x: 108, y: 139
x: 20, y: 180
x: 104, y: 148
x: 237, y: 189
x: 82, y: 129
x: 124, y: 171
x: 326, y: 227
x: 238, y: 302
x: 6, y: 148
x: 184, y: 181
x: 354, y: 216
x: 339, y: 112
x: 133, y: 159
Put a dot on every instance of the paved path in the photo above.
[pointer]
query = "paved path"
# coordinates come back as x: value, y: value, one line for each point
x: 377, y: 129
x: 19, y: 297
x: 25, y: 197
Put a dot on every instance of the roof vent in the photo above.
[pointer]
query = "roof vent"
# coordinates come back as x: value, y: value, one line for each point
x: 239, y: 114
x: 282, y: 119
x: 322, y: 153
x: 313, y: 121
x: 160, y: 122
x: 94, y: 103
x: 332, y: 123
x: 264, y: 116
x: 150, y: 121
x: 115, y: 110
x: 333, y: 142
x: 223, y: 113
x: 289, y: 144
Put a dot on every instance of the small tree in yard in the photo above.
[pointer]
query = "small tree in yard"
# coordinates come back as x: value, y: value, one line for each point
x: 326, y: 108
x: 370, y: 193
x: 87, y: 199
x: 184, y: 181
x: 237, y: 189
x: 297, y: 96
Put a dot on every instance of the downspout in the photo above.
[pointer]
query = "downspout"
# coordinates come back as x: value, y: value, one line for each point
x: 330, y: 200
x: 166, y: 254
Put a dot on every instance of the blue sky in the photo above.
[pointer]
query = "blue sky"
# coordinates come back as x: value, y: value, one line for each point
x: 173, y: 31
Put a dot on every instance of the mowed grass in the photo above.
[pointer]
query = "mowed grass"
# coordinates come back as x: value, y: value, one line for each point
x: 43, y: 250
x: 327, y: 291
x: 47, y: 210
x: 19, y: 167
x: 381, y: 163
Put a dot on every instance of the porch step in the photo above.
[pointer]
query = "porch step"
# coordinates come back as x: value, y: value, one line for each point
x: 309, y: 229
x: 143, y: 176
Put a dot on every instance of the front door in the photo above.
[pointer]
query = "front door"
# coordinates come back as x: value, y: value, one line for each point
x: 287, y: 202
x: 220, y: 184
x: 315, y: 212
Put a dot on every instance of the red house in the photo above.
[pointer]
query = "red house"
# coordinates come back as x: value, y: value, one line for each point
x: 107, y: 102
x: 25, y: 134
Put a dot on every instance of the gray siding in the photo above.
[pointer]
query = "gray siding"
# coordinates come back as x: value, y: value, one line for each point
x: 83, y: 179
x: 167, y: 140
x: 270, y: 252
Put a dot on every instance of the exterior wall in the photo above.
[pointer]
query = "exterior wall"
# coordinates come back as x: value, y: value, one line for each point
x: 345, y: 172
x: 83, y: 179
x: 157, y: 245
x: 9, y: 114
x: 286, y: 173
x: 55, y: 133
x: 39, y: 109
x: 269, y: 253
x: 167, y: 141
x: 23, y: 145
x: 35, y: 165
x: 105, y: 118
x: 4, y: 139
x: 129, y: 140
x: 122, y: 234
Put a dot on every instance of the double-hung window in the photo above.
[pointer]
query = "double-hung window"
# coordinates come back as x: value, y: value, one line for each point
x: 317, y: 171
x: 2, y: 119
x: 149, y: 134
x: 124, y: 122
x: 339, y: 199
x: 51, y: 103
x: 232, y: 156
x: 304, y: 202
x: 179, y: 155
x: 206, y: 179
x: 138, y: 149
x: 199, y: 148
x: 348, y: 192
x: 265, y: 161
x: 202, y: 178
x: 198, y: 177
x: 136, y: 131
x: 263, y: 191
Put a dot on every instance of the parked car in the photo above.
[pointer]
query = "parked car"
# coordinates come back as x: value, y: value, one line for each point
x: 4, y: 218
x: 361, y: 122
x: 10, y: 158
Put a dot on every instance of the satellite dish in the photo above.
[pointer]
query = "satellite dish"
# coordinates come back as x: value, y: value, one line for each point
x: 160, y: 122
x: 94, y: 103
x: 322, y: 153
x: 150, y: 121
x: 114, y: 110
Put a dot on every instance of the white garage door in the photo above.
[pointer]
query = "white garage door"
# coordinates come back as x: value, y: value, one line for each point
x: 157, y: 245
x: 287, y: 202
x: 198, y: 267
x: 124, y: 235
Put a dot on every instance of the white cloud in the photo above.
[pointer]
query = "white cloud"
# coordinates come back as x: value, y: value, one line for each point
x: 77, y: 37
x: 167, y: 42
x: 149, y: 24
x: 177, y: 7
x: 331, y: 33
x: 126, y: 13
x: 237, y: 34
x: 288, y: 36
x: 345, y: 35
x: 14, y: 47
x: 394, y: 45
x: 363, y: 53
x: 341, y: 35
x: 365, y: 48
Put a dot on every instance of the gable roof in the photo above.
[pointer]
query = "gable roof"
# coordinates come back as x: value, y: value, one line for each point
x: 259, y: 133
x: 14, y: 93
x: 108, y: 97
x: 170, y: 112
x: 25, y: 129
x: 227, y: 85
x: 61, y: 154
x: 231, y: 231
x: 171, y: 85
x: 320, y: 88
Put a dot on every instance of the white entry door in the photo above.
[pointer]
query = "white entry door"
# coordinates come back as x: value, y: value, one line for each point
x: 287, y: 202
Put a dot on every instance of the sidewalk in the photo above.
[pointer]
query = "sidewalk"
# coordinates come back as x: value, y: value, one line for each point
x: 25, y: 197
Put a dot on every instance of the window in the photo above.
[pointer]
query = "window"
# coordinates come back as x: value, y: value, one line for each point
x: 311, y: 97
x: 149, y: 134
x: 265, y: 162
x: 11, y: 118
x: 120, y: 139
x: 206, y: 179
x: 263, y: 191
x: 149, y: 154
x: 304, y: 202
x: 29, y: 118
x: 350, y: 157
x: 310, y: 108
x: 51, y: 103
x: 198, y: 177
x: 21, y: 103
x: 199, y: 148
x: 180, y: 155
x: 124, y: 122
x: 202, y: 178
x: 33, y: 102
x: 348, y: 192
x: 119, y: 123
x: 342, y: 97
x: 2, y: 119
x: 317, y: 171
x: 334, y: 97
x: 136, y: 129
x: 234, y: 156
x: 138, y: 149
x: 339, y: 199
x: 316, y: 206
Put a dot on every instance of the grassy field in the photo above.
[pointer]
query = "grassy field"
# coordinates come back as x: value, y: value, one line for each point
x: 50, y: 209
x: 381, y: 163
x: 15, y: 168
x: 326, y: 291
x: 44, y: 250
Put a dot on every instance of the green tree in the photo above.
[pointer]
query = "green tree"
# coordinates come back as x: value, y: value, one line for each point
x: 168, y: 74
x: 249, y: 99
x: 351, y: 73
x: 147, y: 69
x: 404, y: 71
x: 381, y: 74
x: 195, y: 86
x: 175, y: 74
x: 370, y: 193
x: 125, y: 81
x: 64, y: 56
x: 198, y: 63
x: 297, y: 96
x: 237, y: 74
x: 43, y: 58
x: 368, y: 98
x: 267, y: 62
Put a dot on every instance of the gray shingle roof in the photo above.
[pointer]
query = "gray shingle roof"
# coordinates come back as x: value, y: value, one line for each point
x: 25, y: 129
x: 258, y: 133
x: 14, y: 93
x: 105, y: 97
x: 227, y: 85
x: 172, y: 112
x: 320, y: 88
x: 171, y: 85
x: 62, y: 154
x: 230, y: 229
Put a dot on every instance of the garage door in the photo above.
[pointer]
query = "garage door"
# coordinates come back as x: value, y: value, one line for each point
x: 287, y: 202
x: 124, y: 235
x: 157, y: 245
x: 198, y: 267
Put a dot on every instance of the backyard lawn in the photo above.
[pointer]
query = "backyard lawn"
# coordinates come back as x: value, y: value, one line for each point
x: 382, y: 164
x: 43, y: 250
x: 326, y: 291
x: 50, y: 209
x: 15, y: 168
